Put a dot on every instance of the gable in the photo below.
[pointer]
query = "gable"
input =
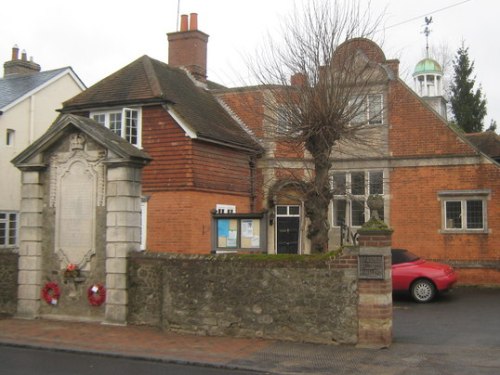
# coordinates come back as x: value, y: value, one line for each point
x: 15, y: 89
x: 416, y: 130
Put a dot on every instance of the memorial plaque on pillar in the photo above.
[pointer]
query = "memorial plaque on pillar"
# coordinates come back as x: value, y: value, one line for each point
x: 371, y: 267
x: 76, y: 190
x: 76, y: 213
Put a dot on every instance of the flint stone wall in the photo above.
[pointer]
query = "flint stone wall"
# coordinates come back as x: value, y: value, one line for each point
x: 313, y: 300
x: 8, y: 282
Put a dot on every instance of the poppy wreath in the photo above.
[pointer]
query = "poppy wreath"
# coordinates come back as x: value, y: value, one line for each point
x: 96, y: 294
x: 51, y: 293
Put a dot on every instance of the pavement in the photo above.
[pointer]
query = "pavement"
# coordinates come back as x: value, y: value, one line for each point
x: 422, y: 344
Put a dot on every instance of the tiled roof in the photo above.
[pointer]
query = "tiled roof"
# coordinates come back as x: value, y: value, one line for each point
x: 147, y: 80
x: 488, y: 142
x: 15, y: 87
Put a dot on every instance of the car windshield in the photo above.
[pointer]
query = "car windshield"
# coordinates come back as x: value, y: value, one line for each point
x: 403, y: 256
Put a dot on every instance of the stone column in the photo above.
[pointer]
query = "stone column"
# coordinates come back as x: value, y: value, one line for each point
x: 30, y: 245
x: 123, y: 235
x: 375, y: 285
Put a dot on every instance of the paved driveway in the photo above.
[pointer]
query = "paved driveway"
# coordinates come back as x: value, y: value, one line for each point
x: 462, y: 317
x: 459, y: 333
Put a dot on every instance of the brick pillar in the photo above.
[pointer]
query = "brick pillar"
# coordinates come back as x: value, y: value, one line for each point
x: 375, y: 291
x: 30, y: 246
x: 123, y: 235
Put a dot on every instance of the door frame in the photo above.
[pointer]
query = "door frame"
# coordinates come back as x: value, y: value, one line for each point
x: 292, y: 210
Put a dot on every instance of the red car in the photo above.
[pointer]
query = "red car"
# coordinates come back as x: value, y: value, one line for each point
x: 421, y: 278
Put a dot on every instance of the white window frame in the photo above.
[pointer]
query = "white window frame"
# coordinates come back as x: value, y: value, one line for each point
x: 225, y: 209
x: 7, y: 229
x: 463, y: 197
x: 363, y: 110
x: 348, y: 197
x: 105, y: 119
x: 289, y: 208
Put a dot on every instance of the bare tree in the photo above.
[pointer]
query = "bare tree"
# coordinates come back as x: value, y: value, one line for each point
x: 329, y: 99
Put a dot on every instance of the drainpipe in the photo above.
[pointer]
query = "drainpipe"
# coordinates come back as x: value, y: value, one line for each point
x: 251, y: 163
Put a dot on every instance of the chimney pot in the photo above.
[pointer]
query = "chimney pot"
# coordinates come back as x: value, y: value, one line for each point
x: 193, y: 21
x: 15, y: 52
x: 184, y: 22
x: 24, y: 55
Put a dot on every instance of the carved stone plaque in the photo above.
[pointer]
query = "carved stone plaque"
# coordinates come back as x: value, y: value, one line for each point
x: 76, y: 213
x: 76, y: 191
x: 371, y: 267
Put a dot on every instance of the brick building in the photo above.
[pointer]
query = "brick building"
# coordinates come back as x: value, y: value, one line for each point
x: 220, y: 182
x: 202, y: 158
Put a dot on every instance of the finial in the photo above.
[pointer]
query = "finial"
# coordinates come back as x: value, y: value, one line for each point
x: 427, y: 31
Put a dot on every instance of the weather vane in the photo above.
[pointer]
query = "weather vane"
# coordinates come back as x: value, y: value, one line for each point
x: 427, y: 31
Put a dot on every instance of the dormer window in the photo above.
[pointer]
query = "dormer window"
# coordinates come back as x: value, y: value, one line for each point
x: 125, y: 122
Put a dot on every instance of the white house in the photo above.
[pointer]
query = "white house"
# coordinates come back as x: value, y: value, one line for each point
x: 29, y: 99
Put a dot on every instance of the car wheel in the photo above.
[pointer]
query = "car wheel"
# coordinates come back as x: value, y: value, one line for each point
x: 423, y: 290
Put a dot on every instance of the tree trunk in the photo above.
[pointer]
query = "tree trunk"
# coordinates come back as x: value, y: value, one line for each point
x: 317, y: 201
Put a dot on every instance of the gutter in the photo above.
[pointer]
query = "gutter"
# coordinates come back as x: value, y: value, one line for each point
x: 231, y: 145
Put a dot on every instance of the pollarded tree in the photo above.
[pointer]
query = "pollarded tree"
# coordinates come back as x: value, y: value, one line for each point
x: 468, y: 106
x: 328, y: 100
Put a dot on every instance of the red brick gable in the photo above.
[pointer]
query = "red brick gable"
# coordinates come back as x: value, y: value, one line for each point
x: 416, y: 130
x: 248, y: 105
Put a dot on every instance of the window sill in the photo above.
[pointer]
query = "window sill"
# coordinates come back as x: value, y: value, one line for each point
x: 464, y: 231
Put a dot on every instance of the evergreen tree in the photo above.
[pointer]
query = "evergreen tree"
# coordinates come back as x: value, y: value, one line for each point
x: 493, y: 125
x: 468, y: 106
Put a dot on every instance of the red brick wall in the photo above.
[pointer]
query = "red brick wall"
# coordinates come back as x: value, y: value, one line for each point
x: 416, y: 211
x: 248, y: 105
x: 479, y: 276
x: 179, y: 221
x: 415, y: 130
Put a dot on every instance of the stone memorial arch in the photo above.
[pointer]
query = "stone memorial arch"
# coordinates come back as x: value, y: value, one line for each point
x: 80, y: 218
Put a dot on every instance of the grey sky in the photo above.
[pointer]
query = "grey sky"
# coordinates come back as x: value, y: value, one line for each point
x: 97, y: 38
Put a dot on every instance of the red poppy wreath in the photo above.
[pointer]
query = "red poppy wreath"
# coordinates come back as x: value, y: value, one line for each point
x: 96, y: 294
x: 51, y: 293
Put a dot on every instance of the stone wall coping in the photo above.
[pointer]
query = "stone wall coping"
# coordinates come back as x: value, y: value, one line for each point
x: 257, y: 260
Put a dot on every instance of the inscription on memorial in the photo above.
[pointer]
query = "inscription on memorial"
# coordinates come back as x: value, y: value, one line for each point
x: 76, y: 191
x: 76, y: 208
x: 371, y: 267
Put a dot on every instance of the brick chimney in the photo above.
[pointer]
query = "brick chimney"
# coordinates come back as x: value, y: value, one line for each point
x: 19, y: 66
x: 298, y: 79
x: 188, y: 47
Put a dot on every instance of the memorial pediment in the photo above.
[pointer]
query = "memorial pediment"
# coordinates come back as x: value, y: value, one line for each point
x: 57, y: 137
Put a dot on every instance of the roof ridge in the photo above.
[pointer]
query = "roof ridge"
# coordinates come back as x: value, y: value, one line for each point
x: 153, y: 81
